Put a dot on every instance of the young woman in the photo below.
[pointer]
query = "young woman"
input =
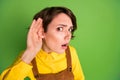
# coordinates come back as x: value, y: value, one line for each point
x: 48, y: 55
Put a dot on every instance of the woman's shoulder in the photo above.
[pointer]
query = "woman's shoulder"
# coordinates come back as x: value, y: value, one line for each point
x: 72, y: 49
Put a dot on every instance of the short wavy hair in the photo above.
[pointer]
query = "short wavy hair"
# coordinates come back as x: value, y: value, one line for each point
x: 48, y: 14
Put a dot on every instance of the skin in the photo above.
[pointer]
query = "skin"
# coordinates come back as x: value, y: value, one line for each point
x: 56, y: 39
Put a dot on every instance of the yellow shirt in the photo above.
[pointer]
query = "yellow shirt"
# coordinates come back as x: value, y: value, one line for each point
x: 46, y: 63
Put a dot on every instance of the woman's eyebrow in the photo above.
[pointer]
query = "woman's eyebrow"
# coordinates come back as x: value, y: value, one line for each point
x: 64, y: 25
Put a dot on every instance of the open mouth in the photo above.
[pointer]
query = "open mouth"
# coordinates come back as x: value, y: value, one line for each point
x: 64, y: 46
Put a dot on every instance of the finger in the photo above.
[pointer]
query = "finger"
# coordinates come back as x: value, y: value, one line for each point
x: 40, y: 30
x: 38, y: 24
x: 35, y: 28
x: 33, y: 23
x: 39, y: 27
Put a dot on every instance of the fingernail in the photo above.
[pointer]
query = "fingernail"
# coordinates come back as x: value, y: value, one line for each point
x: 39, y: 19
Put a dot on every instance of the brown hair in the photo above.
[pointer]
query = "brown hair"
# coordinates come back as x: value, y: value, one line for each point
x: 49, y: 13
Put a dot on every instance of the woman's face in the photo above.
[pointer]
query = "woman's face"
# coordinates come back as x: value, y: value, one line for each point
x: 58, y: 34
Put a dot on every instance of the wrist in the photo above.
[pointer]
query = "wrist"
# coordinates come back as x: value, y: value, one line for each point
x: 28, y: 55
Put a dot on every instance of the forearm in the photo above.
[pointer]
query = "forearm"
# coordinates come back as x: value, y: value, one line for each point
x: 34, y: 41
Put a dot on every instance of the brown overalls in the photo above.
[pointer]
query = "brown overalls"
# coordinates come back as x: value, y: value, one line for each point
x: 63, y: 75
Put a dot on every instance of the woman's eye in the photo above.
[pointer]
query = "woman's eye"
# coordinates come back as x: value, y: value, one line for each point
x: 59, y: 29
x: 71, y: 29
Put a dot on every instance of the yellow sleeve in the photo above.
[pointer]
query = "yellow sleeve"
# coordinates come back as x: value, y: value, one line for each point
x: 17, y: 72
x: 76, y: 66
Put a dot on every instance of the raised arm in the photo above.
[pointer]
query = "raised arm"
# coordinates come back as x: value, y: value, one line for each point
x: 34, y: 41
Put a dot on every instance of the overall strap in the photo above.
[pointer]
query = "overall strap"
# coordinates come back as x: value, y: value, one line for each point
x: 35, y: 69
x: 69, y: 66
x: 69, y: 62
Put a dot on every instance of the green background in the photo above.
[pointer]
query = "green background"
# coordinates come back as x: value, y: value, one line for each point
x: 97, y: 39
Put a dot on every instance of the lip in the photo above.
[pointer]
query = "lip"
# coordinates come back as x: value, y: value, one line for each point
x: 64, y: 46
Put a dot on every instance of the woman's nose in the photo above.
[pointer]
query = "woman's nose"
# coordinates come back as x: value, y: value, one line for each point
x: 67, y: 35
